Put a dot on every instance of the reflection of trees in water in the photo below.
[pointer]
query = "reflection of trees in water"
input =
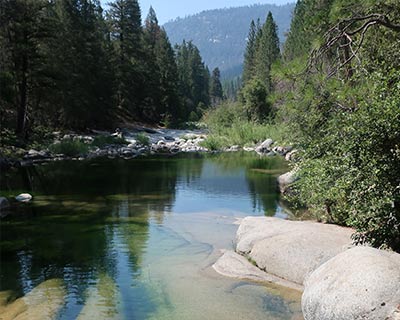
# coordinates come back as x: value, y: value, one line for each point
x: 80, y: 207
x: 261, y: 174
x: 263, y: 190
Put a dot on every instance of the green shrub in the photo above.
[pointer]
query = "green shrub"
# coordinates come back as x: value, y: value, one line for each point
x: 193, y: 117
x: 103, y: 140
x: 254, y: 99
x: 214, y: 143
x: 349, y: 169
x: 228, y: 126
x: 70, y: 148
x: 143, y: 139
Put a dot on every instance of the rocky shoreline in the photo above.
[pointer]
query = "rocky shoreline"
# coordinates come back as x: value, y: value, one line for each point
x: 158, y: 142
x: 338, y: 281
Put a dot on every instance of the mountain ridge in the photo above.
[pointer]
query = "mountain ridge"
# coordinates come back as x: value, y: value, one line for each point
x: 221, y: 34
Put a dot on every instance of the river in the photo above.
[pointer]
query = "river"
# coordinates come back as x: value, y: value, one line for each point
x: 137, y: 239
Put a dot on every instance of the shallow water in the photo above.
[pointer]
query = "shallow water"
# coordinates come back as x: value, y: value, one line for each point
x: 136, y: 239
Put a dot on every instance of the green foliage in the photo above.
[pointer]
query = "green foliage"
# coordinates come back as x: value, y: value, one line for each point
x: 229, y: 126
x: 70, y: 148
x: 214, y: 143
x: 254, y: 98
x: 346, y: 126
x: 216, y: 93
x: 194, y: 79
x: 349, y: 169
x: 143, y: 139
x: 267, y: 51
x: 193, y: 117
x: 103, y: 140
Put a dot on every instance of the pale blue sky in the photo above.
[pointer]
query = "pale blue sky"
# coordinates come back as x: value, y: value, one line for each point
x: 171, y: 9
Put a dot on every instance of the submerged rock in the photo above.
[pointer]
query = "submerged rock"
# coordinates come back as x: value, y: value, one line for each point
x: 233, y: 265
x: 24, y: 197
x: 361, y: 283
x: 43, y: 302
x: 102, y: 301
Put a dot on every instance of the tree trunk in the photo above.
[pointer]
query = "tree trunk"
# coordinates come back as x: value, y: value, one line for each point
x: 23, y: 99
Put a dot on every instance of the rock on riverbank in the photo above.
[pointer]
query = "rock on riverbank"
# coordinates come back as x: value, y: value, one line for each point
x: 360, y: 283
x: 290, y: 249
x: 340, y: 281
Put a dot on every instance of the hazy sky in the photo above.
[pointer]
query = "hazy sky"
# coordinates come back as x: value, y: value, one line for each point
x: 171, y: 9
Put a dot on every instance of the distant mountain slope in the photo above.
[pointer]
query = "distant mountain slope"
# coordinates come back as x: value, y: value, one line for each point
x: 221, y: 34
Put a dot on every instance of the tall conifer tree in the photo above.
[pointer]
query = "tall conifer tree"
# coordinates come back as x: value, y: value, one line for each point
x: 267, y: 51
x: 124, y: 17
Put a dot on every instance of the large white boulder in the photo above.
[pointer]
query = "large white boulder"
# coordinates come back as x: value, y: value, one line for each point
x: 290, y: 249
x: 360, y: 283
x: 24, y: 197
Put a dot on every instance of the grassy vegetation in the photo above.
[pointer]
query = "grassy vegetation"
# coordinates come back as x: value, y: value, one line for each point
x: 70, y: 148
x: 102, y: 141
x: 229, y: 126
x: 143, y: 139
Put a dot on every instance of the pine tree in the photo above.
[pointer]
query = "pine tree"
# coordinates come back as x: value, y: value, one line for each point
x: 194, y: 79
x: 85, y: 79
x: 267, y: 51
x: 23, y: 27
x: 216, y: 93
x: 124, y: 18
x: 168, y: 71
x: 249, y: 56
x: 162, y: 102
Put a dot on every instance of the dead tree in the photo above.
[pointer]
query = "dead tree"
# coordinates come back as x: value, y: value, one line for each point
x: 346, y: 39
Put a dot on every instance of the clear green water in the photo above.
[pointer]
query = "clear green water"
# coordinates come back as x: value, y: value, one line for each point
x: 136, y: 239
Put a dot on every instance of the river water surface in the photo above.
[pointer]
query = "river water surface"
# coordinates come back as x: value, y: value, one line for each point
x: 136, y: 239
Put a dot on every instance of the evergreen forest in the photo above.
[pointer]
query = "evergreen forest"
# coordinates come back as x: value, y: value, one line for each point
x: 68, y: 64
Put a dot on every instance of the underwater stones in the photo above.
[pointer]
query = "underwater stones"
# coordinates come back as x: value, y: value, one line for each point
x: 43, y: 302
x: 233, y: 265
x: 102, y: 301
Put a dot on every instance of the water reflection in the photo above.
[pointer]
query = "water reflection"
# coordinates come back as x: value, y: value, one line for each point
x: 106, y: 227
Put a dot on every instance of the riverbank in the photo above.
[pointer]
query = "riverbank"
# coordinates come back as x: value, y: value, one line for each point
x: 339, y: 281
x: 127, y: 143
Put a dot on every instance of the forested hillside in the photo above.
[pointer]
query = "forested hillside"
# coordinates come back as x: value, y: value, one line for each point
x: 221, y: 34
x: 67, y: 64
x: 334, y: 94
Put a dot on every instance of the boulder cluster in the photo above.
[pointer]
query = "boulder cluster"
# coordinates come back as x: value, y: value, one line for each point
x: 339, y: 281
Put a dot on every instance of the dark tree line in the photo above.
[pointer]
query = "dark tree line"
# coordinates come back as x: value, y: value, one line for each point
x: 67, y: 64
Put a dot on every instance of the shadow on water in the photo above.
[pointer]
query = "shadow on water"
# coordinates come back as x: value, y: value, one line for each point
x: 90, y: 222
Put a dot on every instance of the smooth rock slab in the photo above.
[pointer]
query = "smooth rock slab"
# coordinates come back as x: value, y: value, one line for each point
x: 43, y: 302
x: 233, y: 265
x: 290, y: 249
x: 360, y: 283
